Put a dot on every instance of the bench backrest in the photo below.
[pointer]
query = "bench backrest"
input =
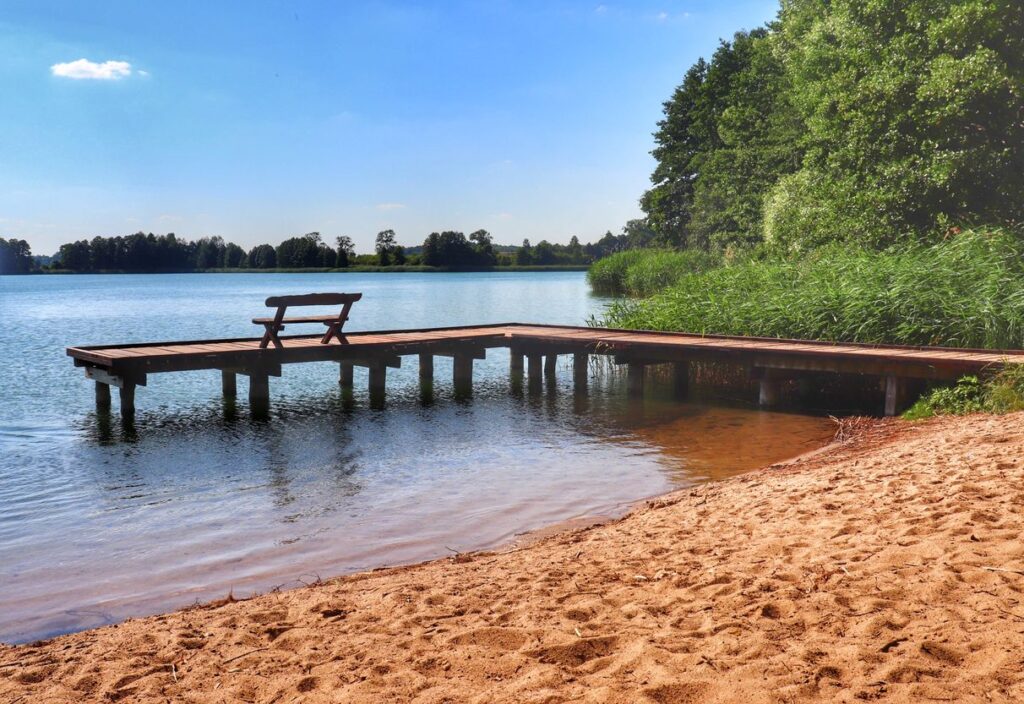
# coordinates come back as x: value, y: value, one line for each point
x: 313, y: 299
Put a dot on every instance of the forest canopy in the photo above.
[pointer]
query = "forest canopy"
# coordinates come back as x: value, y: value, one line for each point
x: 859, y: 121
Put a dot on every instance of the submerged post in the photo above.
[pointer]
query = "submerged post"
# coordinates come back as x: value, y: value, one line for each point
x: 768, y: 392
x: 345, y: 375
x: 533, y: 375
x: 635, y: 379
x: 127, y: 393
x: 550, y: 366
x: 580, y: 369
x: 681, y: 380
x: 102, y: 396
x: 259, y: 390
x: 229, y: 383
x: 426, y: 368
x: 462, y: 375
x: 378, y: 381
x: 515, y: 364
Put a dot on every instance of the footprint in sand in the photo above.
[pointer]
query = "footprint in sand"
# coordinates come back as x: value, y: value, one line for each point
x: 679, y: 693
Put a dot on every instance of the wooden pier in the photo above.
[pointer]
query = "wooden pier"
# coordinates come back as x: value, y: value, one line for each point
x: 534, y: 351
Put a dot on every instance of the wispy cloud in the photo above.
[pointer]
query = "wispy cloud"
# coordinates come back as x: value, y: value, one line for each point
x: 83, y: 69
x: 390, y: 206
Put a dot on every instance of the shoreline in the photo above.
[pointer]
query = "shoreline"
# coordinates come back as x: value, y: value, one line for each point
x: 354, y: 269
x: 882, y: 566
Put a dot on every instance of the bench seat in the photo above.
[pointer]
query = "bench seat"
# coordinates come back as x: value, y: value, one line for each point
x: 325, y: 319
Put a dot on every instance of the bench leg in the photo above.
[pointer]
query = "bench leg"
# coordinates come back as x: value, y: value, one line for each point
x: 271, y: 336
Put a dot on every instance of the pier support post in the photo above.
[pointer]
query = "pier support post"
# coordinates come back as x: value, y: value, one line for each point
x: 102, y: 396
x: 580, y: 369
x: 895, y: 395
x: 259, y: 388
x: 681, y: 380
x: 550, y: 366
x: 533, y: 372
x: 378, y: 382
x: 462, y: 375
x: 768, y: 392
x: 229, y: 383
x: 127, y: 393
x: 345, y: 375
x: 426, y: 368
x: 515, y: 365
x: 635, y: 379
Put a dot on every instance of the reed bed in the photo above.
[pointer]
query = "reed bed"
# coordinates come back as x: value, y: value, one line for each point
x: 966, y: 291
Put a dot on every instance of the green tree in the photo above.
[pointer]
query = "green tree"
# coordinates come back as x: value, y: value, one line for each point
x: 913, y: 112
x: 15, y: 256
x: 385, y: 247
x: 524, y: 255
x: 346, y: 251
x: 263, y: 256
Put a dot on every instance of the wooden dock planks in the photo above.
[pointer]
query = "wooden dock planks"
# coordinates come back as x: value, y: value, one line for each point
x: 935, y: 362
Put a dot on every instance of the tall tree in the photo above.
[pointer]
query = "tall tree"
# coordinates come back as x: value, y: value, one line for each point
x: 346, y: 251
x: 385, y: 246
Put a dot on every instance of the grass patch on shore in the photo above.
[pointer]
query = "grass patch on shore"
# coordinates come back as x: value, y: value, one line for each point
x: 1001, y: 393
x: 966, y: 291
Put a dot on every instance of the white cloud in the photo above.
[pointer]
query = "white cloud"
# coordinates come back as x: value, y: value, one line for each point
x: 83, y: 69
x: 600, y: 9
x: 390, y: 206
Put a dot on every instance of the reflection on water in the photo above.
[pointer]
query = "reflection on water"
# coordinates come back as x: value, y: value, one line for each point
x: 191, y: 504
x: 99, y: 521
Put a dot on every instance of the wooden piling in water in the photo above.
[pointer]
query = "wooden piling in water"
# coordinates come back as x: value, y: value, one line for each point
x: 681, y: 380
x: 259, y: 388
x: 229, y: 383
x: 635, y: 379
x: 550, y: 366
x: 580, y: 370
x: 127, y: 394
x: 768, y: 392
x: 346, y: 375
x: 533, y: 371
x: 426, y: 368
x: 462, y: 375
x: 515, y: 364
x: 102, y: 396
x: 377, y: 384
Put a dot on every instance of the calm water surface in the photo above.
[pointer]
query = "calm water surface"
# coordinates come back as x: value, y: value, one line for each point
x: 99, y: 522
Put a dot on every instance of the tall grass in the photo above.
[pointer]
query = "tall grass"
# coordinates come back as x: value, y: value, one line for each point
x: 966, y: 291
x: 643, y: 272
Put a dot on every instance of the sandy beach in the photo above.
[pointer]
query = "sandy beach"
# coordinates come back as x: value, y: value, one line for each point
x: 886, y: 567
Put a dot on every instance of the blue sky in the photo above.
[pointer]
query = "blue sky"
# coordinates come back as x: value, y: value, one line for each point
x: 261, y: 120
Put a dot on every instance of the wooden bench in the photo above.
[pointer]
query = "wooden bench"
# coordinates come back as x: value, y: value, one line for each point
x: 334, y: 323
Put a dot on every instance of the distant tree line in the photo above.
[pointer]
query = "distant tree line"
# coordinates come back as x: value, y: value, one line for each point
x: 449, y: 249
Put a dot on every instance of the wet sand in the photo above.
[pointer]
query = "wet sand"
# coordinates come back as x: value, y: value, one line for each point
x: 888, y: 567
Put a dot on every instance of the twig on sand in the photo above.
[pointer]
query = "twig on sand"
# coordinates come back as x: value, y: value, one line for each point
x: 257, y: 650
x: 1003, y: 569
x: 174, y: 673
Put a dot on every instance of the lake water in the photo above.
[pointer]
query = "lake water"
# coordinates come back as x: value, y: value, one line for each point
x: 99, y: 521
